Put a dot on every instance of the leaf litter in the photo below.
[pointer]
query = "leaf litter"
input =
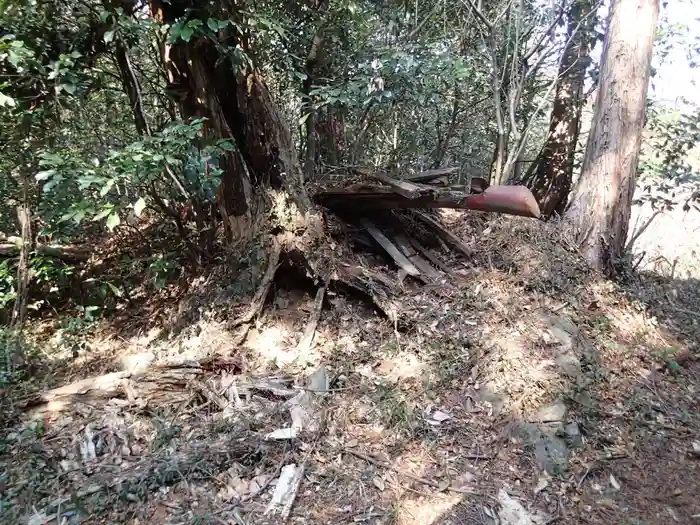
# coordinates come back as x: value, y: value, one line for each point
x: 223, y: 434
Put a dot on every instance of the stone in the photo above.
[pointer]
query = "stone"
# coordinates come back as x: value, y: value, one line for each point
x: 573, y: 436
x: 135, y: 362
x: 569, y: 364
x: 552, y: 413
x: 561, y: 329
x: 530, y: 433
x: 551, y: 453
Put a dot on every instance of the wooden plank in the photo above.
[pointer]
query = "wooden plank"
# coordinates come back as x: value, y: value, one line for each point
x: 443, y: 233
x: 400, y: 259
x: 404, y: 244
x: 403, y: 188
x: 430, y: 175
x: 428, y: 254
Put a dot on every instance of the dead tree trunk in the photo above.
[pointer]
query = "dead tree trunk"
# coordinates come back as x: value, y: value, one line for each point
x: 601, y: 201
x: 550, y: 175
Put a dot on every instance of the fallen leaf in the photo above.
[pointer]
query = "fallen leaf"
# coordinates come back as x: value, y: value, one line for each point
x: 378, y: 482
x: 283, y: 433
x: 696, y: 448
x: 614, y: 482
x: 440, y: 416
x: 541, y: 485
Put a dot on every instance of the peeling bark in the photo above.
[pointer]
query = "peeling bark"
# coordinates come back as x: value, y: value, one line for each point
x: 602, y: 199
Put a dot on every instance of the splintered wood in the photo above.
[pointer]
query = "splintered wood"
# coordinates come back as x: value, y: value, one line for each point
x: 389, y: 214
x: 375, y: 213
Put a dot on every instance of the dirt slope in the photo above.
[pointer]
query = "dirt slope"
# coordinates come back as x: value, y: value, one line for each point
x: 528, y: 390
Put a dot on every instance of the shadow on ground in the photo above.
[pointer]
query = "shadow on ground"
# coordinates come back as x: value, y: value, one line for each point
x: 529, y: 380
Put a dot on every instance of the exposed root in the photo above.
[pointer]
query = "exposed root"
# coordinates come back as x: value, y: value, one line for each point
x: 258, y: 301
x: 304, y: 345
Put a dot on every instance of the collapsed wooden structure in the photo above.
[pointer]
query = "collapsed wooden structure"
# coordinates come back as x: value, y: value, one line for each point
x: 393, y: 215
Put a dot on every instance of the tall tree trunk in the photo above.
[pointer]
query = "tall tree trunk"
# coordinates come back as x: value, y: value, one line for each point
x: 308, y: 110
x: 601, y: 202
x: 238, y: 106
x: 550, y: 175
x: 330, y: 131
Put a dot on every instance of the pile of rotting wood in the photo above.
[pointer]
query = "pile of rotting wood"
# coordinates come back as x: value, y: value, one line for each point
x: 394, y: 219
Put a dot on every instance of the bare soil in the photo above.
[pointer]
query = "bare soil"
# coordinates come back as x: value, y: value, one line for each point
x: 426, y: 425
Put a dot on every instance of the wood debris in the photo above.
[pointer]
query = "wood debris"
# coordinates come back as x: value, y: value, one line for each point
x: 392, y: 217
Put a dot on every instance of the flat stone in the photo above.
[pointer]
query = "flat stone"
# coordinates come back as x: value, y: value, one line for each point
x: 530, y: 433
x: 551, y: 453
x: 561, y: 329
x: 552, y: 413
x: 551, y: 450
x: 572, y: 434
x: 135, y: 362
x: 569, y: 364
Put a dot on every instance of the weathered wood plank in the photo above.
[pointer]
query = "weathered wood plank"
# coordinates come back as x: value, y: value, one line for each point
x: 431, y: 175
x: 443, y: 233
x: 400, y: 259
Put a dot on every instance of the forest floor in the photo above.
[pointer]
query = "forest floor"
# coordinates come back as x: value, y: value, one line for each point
x: 529, y: 391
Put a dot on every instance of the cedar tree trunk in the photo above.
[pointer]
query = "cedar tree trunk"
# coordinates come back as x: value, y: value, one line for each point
x: 602, y: 199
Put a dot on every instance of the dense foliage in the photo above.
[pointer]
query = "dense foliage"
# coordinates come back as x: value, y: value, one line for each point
x: 94, y: 133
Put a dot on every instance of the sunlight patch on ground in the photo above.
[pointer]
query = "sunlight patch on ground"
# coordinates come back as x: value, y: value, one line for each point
x: 425, y: 510
x: 399, y: 367
x: 273, y: 344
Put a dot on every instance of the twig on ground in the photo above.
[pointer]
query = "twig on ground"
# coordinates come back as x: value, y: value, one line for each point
x: 304, y: 345
x: 267, y: 483
x: 428, y: 482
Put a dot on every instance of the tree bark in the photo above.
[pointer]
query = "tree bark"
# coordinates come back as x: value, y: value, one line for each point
x: 131, y: 87
x: 550, y: 176
x: 237, y: 105
x: 308, y: 106
x: 601, y: 202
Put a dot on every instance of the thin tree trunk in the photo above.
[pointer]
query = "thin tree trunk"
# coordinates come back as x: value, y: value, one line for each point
x: 550, y: 175
x: 601, y: 202
x: 19, y: 309
x: 131, y: 87
x: 312, y: 60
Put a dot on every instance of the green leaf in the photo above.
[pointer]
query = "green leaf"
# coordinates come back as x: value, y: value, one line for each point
x: 109, y: 35
x: 6, y: 101
x: 67, y: 216
x: 79, y: 216
x: 226, y: 145
x: 139, y: 205
x: 106, y: 211
x: 43, y: 175
x: 116, y: 291
x: 68, y: 88
x: 186, y: 33
x: 213, y: 25
x: 113, y: 221
x: 108, y: 186
x: 13, y: 57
